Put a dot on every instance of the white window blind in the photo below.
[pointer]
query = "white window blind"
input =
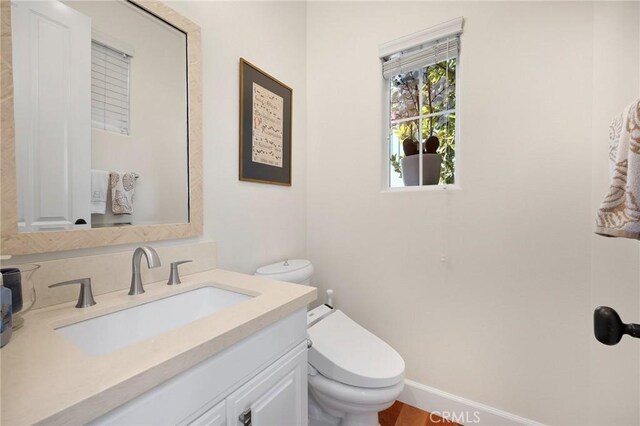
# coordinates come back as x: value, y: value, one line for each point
x: 109, y: 88
x: 421, y: 57
x: 421, y: 49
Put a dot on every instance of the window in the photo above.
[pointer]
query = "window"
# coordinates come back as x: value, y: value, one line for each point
x: 422, y: 105
x: 109, y: 88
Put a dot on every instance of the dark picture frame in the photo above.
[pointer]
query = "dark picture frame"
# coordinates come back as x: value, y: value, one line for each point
x: 265, y: 134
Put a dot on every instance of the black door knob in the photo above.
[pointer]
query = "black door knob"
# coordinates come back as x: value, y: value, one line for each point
x: 609, y: 328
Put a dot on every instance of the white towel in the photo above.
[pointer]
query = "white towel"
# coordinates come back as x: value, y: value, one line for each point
x: 123, y: 185
x: 99, y: 190
x: 619, y: 214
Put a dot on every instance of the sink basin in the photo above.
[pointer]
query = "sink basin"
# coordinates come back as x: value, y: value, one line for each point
x: 108, y: 333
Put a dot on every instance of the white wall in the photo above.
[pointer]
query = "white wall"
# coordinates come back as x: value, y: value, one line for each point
x: 156, y: 147
x: 506, y: 320
x: 252, y: 223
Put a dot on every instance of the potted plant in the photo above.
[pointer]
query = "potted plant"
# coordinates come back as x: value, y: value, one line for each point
x: 431, y: 162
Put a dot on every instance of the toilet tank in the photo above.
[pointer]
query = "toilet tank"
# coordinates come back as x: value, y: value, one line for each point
x: 297, y: 271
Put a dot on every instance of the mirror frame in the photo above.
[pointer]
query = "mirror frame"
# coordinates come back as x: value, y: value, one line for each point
x: 13, y: 242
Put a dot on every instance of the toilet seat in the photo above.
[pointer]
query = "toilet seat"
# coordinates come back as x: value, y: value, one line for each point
x: 364, y: 397
x: 348, y: 353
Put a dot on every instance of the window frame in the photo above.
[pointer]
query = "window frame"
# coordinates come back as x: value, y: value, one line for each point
x: 442, y: 31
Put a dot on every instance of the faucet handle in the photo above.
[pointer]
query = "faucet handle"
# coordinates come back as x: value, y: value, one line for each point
x: 85, y: 299
x: 174, y: 276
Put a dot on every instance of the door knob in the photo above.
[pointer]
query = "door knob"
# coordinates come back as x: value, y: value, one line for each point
x: 609, y: 328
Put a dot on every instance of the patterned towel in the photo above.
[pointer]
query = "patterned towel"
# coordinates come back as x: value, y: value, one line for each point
x: 123, y: 185
x: 619, y: 214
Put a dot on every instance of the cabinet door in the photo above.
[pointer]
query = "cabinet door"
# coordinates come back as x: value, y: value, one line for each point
x: 52, y: 82
x: 275, y: 397
x: 215, y: 416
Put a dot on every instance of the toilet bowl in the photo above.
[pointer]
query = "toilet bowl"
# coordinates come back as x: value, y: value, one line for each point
x: 352, y: 373
x: 351, y: 405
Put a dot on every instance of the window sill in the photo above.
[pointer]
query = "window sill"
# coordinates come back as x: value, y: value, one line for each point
x: 425, y: 188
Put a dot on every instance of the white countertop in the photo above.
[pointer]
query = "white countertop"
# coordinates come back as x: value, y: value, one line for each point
x: 45, y: 378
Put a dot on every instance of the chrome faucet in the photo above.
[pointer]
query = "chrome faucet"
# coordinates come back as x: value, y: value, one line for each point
x: 153, y: 261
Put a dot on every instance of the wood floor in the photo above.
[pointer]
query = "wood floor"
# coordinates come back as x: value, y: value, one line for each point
x: 400, y: 414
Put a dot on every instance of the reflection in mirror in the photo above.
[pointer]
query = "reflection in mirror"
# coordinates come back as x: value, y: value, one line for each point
x: 101, y: 116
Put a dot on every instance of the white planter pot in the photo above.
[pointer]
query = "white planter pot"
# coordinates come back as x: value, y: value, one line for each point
x: 430, y: 169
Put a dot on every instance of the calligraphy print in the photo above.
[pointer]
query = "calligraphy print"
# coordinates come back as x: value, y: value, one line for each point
x: 268, y: 112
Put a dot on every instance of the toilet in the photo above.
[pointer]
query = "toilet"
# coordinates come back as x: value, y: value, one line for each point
x: 352, y: 373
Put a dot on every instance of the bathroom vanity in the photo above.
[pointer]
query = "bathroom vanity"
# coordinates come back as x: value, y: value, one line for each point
x: 242, y: 364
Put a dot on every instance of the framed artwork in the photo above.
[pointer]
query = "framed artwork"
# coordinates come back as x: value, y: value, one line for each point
x: 265, y: 127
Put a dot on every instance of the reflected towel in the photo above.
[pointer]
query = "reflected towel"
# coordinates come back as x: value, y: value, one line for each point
x: 99, y: 190
x: 619, y: 214
x: 122, y: 188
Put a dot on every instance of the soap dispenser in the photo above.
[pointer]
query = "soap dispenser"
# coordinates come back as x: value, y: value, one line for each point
x: 6, y: 324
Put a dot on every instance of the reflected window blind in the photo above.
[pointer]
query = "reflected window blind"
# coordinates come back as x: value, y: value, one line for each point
x: 421, y: 57
x: 109, y: 89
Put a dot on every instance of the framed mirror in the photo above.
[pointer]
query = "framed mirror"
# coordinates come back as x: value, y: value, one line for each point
x: 101, y: 124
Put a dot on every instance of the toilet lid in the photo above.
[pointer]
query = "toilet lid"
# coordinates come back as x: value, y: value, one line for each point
x: 293, y: 270
x: 348, y: 353
x: 285, y: 266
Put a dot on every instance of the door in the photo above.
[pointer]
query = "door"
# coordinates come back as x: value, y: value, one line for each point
x: 275, y: 397
x: 52, y: 84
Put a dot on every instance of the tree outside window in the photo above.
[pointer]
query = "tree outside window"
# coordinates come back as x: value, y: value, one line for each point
x: 423, y: 104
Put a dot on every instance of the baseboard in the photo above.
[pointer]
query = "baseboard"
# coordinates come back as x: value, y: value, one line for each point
x: 457, y: 409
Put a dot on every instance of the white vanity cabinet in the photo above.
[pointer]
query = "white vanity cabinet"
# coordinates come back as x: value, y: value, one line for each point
x: 260, y: 381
